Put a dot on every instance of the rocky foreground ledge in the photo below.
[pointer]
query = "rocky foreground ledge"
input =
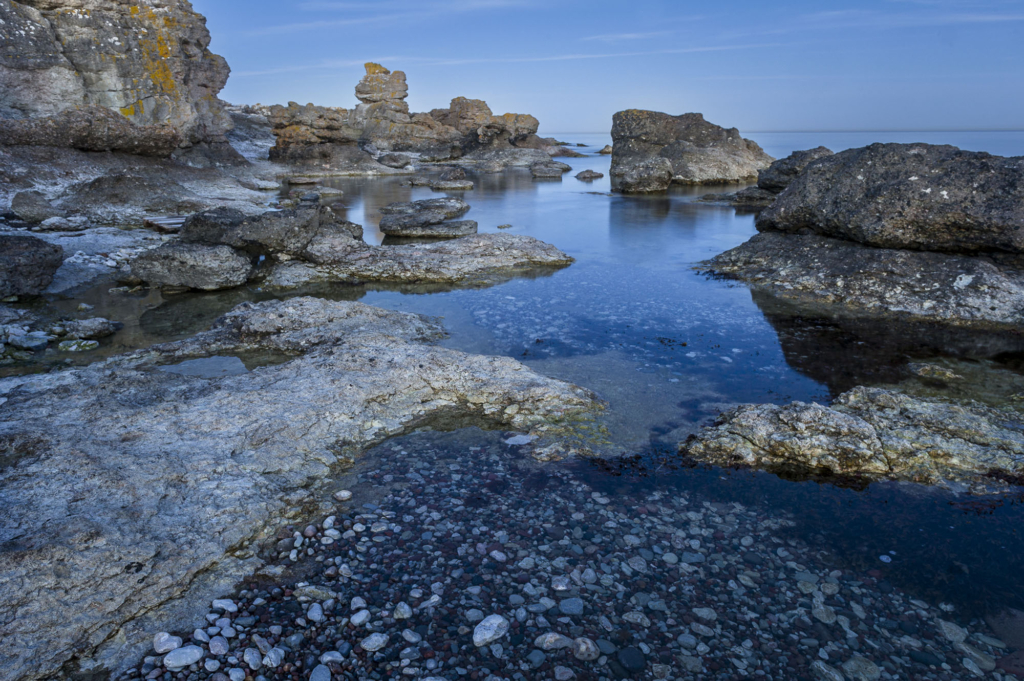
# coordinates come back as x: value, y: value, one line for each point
x: 131, y: 495
x: 874, y: 433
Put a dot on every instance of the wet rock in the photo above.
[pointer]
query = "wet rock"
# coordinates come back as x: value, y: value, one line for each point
x: 585, y: 649
x: 27, y: 264
x: 606, y: 150
x: 255, y: 447
x: 781, y: 173
x: 913, y: 196
x: 873, y: 432
x: 188, y: 265
x: 33, y: 208
x: 429, y: 218
x: 696, y: 151
x: 589, y: 176
x: 475, y: 256
x: 179, y: 658
x: 632, y: 660
x: 91, y: 329
x: 879, y: 282
x: 549, y: 169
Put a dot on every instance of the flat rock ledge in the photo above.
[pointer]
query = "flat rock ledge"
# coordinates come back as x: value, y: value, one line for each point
x: 833, y: 275
x: 459, y: 260
x: 132, y: 496
x: 874, y: 433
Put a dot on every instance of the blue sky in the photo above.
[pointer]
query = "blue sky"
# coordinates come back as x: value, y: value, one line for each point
x: 874, y: 65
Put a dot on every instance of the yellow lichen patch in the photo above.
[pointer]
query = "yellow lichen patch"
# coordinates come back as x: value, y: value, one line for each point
x: 128, y: 111
x: 134, y: 9
x: 373, y: 69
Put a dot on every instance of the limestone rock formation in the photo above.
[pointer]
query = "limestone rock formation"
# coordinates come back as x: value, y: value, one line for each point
x: 429, y: 218
x: 835, y: 274
x: 770, y: 181
x: 698, y: 152
x: 872, y: 432
x: 95, y: 552
x: 27, y: 264
x: 65, y: 64
x: 916, y: 196
x: 381, y: 124
x: 185, y: 265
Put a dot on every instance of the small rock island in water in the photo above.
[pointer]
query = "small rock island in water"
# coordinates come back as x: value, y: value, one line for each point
x: 315, y: 392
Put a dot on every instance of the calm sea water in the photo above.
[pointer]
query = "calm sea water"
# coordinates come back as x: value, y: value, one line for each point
x: 669, y: 349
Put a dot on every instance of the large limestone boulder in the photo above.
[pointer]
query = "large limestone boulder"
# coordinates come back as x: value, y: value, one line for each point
x: 27, y: 264
x: 148, y: 62
x: 184, y: 265
x: 33, y: 207
x: 130, y: 496
x: 912, y: 196
x: 698, y: 152
x: 872, y: 432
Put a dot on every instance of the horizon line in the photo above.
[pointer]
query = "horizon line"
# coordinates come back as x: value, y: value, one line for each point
x: 874, y: 130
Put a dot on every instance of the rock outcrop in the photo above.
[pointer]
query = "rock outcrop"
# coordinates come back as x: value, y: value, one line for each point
x: 823, y: 274
x: 195, y: 266
x: 918, y: 231
x: 466, y: 260
x: 132, y: 496
x: 429, y: 218
x: 27, y: 264
x: 871, y: 432
x: 104, y: 75
x: 651, y: 150
x: 913, y: 196
x: 382, y: 125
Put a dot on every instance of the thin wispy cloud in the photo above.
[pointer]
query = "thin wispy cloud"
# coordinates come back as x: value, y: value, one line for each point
x: 846, y: 19
x: 618, y: 37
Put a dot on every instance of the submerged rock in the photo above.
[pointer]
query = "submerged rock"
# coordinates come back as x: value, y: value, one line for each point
x: 697, y: 152
x: 459, y: 260
x: 912, y: 196
x: 873, y: 432
x: 197, y: 266
x: 27, y: 264
x: 878, y: 282
x: 216, y: 465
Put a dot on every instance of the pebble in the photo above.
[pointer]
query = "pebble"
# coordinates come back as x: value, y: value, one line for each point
x: 552, y: 641
x: 360, y: 618
x: 183, y: 657
x: 402, y: 611
x: 225, y: 605
x: 490, y: 630
x: 320, y: 673
x: 252, y: 658
x: 374, y: 642
x: 571, y: 606
x: 858, y: 668
x: 952, y: 632
x: 236, y: 674
x: 706, y: 614
x: 564, y: 673
x: 632, y: 659
x: 585, y: 649
x: 315, y: 613
x: 219, y: 646
x: 165, y: 643
x: 824, y: 672
x: 343, y: 495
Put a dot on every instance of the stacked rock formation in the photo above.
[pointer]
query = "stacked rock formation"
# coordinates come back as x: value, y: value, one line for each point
x: 104, y: 75
x: 382, y: 122
x: 429, y: 218
x: 651, y: 150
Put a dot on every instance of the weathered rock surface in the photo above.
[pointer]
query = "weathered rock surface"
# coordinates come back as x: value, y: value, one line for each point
x: 834, y: 273
x: 781, y: 173
x: 428, y: 218
x: 872, y: 432
x: 148, y: 63
x: 381, y: 124
x: 216, y: 465
x: 606, y: 150
x: 91, y: 329
x: 589, y: 175
x: 27, y: 264
x: 189, y: 265
x: 549, y: 169
x: 458, y: 260
x: 698, y: 152
x: 33, y: 208
x: 914, y: 196
x: 128, y: 197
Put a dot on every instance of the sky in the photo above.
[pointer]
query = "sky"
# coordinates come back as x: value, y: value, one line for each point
x: 756, y: 65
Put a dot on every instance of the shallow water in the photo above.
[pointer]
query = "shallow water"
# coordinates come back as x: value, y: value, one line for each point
x: 669, y: 349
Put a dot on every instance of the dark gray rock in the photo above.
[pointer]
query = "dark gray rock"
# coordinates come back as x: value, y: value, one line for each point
x: 394, y: 160
x: 834, y: 274
x: 632, y: 659
x: 751, y: 198
x: 642, y: 176
x: 698, y: 152
x: 275, y: 233
x: 589, y: 175
x: 91, y: 128
x: 400, y: 219
x: 27, y: 264
x: 444, y: 230
x: 33, y: 208
x: 190, y: 265
x: 779, y: 174
x: 452, y: 174
x: 121, y: 198
x: 91, y: 329
x: 549, y: 169
x: 915, y: 196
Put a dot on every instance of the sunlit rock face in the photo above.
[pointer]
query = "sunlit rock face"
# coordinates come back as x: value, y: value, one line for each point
x: 148, y: 62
